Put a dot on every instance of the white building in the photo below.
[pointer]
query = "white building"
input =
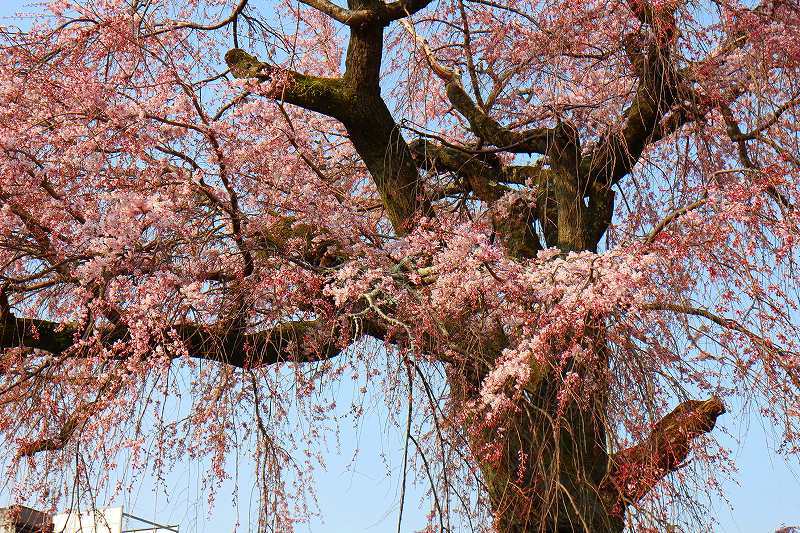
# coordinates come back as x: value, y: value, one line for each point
x: 18, y: 519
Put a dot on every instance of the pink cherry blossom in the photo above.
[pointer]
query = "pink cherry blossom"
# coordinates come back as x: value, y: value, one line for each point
x: 557, y: 238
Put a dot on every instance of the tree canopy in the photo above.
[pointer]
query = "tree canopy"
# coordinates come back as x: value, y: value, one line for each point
x: 556, y: 237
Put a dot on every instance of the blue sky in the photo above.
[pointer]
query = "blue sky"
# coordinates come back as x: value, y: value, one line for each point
x: 360, y: 497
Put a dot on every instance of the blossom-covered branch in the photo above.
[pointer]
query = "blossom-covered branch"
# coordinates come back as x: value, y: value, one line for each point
x: 295, y: 341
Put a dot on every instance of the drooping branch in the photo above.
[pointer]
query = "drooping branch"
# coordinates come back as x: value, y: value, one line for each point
x: 677, y: 213
x: 54, y: 442
x: 740, y: 139
x: 636, y: 470
x: 294, y: 341
x: 75, y: 419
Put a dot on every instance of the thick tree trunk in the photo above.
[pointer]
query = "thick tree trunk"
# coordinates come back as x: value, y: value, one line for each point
x: 544, y: 471
x: 546, y: 465
x: 549, y: 475
x: 549, y: 470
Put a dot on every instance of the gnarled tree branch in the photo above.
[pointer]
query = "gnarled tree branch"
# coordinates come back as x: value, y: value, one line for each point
x: 535, y: 140
x: 323, y: 95
x: 294, y: 341
x: 356, y: 102
x: 636, y: 470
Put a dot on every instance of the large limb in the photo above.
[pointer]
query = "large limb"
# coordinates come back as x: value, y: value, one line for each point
x: 484, y: 176
x: 380, y: 14
x: 362, y: 15
x: 355, y: 100
x: 665, y: 98
x: 485, y: 127
x: 636, y: 470
x: 658, y: 89
x: 322, y: 95
x: 293, y: 341
x: 656, y: 92
x: 536, y: 140
x: 565, y: 213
